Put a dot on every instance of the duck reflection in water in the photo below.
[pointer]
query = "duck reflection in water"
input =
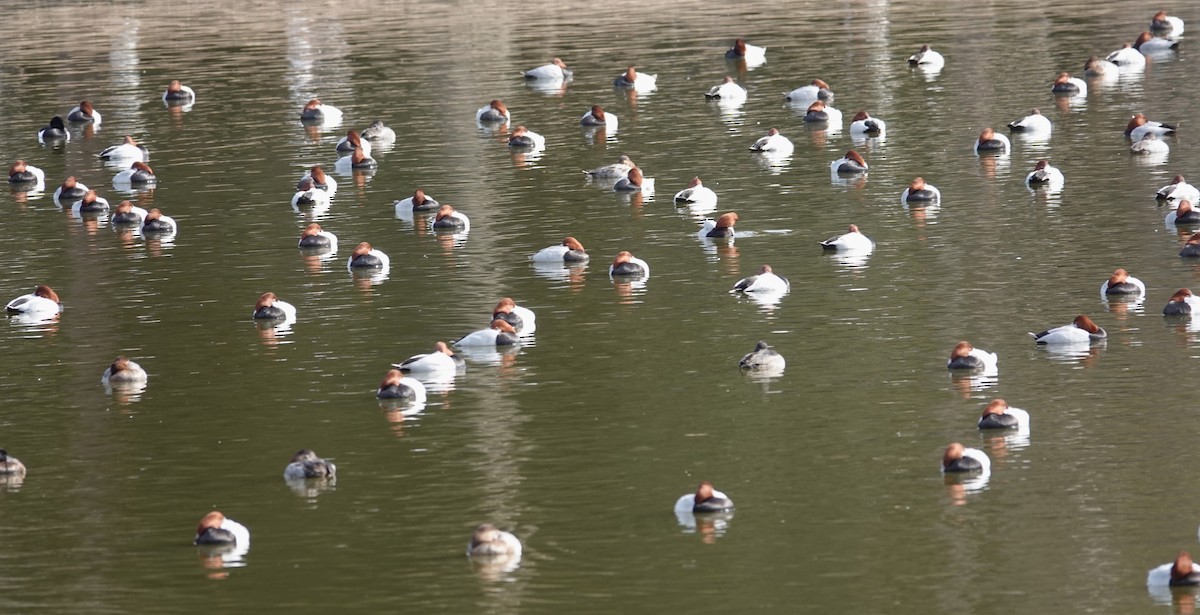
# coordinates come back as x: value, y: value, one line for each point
x: 397, y: 411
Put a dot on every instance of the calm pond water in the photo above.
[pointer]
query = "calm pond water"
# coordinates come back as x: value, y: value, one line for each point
x: 581, y: 440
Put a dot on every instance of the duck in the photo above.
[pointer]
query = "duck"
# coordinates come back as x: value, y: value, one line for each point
x: 806, y: 94
x: 852, y: 162
x: 1191, y: 249
x: 1120, y: 283
x: 1081, y: 330
x: 927, y: 58
x: 1127, y: 57
x: 556, y: 70
x: 448, y: 219
x: 1178, y: 190
x: 863, y: 124
x: 43, y: 300
x: 1165, y: 24
x: 1149, y: 144
x: 418, y: 202
x: 634, y: 181
x: 365, y: 256
x: 358, y: 159
x: 627, y: 264
x: 176, y: 92
x: 70, y: 189
x: 1182, y: 572
x: 307, y: 193
x: 90, y: 203
x: 569, y: 251
x: 271, y: 307
x: 498, y: 333
x: 306, y: 464
x: 154, y: 222
x: 992, y: 143
x: 525, y: 138
x: 1045, y: 174
x: 313, y: 236
x: 127, y: 213
x: 727, y: 91
x: 487, y: 541
x: 1035, y: 123
x: 721, y: 227
x: 22, y: 173
x: 396, y: 385
x: 137, y: 173
x: 315, y: 111
x: 967, y: 357
x: 1095, y: 66
x: 1183, y: 302
x: 638, y: 82
x: 1184, y: 214
x: 820, y: 112
x: 124, y: 371
x: 765, y: 281
x: 10, y: 466
x: 696, y: 193
x: 56, y: 130
x: 320, y: 180
x: 616, y: 170
x: 441, y: 359
x: 521, y: 318
x: 851, y: 241
x: 217, y: 529
x: 774, y: 143
x: 1148, y: 44
x: 494, y: 111
x: 378, y: 132
x: 84, y: 114
x: 1139, y: 127
x: 1066, y: 84
x: 352, y: 140
x: 920, y: 192
x: 706, y: 499
x: 741, y: 50
x: 960, y: 459
x: 999, y: 415
x: 597, y: 116
x: 763, y: 357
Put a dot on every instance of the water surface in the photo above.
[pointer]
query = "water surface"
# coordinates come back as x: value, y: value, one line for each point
x: 629, y: 395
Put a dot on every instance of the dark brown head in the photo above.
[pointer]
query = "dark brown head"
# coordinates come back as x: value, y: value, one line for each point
x: 267, y: 299
x: 1182, y: 566
x: 997, y: 406
x: 44, y: 291
x: 1085, y: 323
x: 505, y: 306
x: 953, y: 453
x: 962, y: 350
